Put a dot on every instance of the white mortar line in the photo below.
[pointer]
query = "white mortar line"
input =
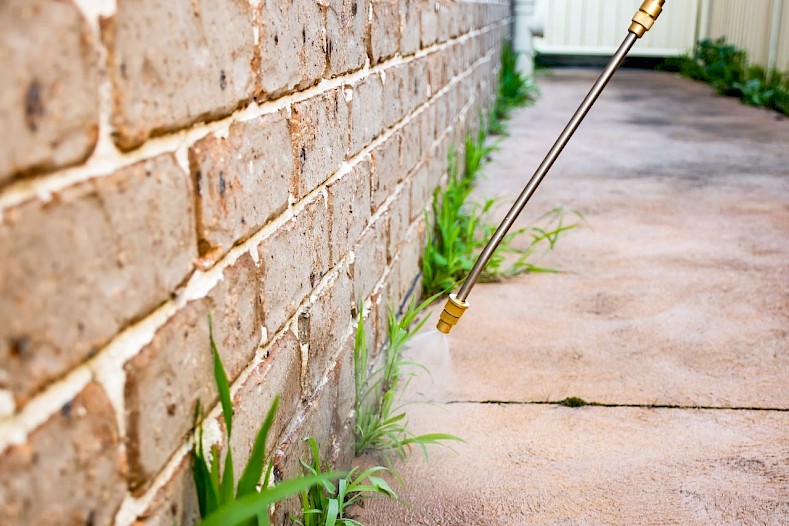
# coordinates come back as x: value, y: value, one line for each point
x: 107, y: 366
x: 106, y: 159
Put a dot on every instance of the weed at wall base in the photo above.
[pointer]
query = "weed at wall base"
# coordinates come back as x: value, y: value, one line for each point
x: 248, y: 504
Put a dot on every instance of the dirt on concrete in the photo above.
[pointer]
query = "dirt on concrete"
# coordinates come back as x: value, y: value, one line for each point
x: 674, y: 292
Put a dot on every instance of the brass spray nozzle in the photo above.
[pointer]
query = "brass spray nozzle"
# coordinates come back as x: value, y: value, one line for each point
x: 452, y: 312
x: 645, y: 17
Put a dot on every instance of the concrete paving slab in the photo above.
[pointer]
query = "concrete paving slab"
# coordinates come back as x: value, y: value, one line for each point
x: 676, y: 289
x: 537, y: 464
x: 675, y: 292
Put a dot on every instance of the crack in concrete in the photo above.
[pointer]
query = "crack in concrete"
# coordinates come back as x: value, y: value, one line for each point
x: 600, y: 404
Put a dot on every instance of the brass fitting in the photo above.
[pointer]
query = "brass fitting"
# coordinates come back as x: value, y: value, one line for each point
x: 452, y: 312
x: 645, y: 17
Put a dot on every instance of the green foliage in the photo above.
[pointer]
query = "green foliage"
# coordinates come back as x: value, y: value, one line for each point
x: 247, y: 505
x: 726, y: 68
x: 326, y: 504
x: 462, y: 229
x: 381, y: 423
x: 514, y: 90
x: 573, y: 401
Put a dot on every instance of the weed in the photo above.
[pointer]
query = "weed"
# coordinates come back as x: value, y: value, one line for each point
x: 573, y: 401
x: 326, y: 504
x: 381, y: 423
x: 514, y: 90
x: 461, y: 230
x: 726, y: 68
x: 248, y: 504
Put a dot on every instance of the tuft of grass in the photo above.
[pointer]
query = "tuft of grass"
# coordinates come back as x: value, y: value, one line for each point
x: 725, y: 67
x: 381, y: 423
x: 248, y: 504
x: 327, y: 504
x: 573, y: 401
x: 462, y: 229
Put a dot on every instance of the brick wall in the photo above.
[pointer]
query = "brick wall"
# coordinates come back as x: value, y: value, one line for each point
x: 267, y: 162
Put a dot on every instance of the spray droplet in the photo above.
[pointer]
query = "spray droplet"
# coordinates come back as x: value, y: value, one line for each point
x: 430, y: 350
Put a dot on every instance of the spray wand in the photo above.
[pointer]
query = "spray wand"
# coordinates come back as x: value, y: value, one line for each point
x: 456, y: 304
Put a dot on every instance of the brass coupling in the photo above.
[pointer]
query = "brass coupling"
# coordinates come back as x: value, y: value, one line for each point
x: 645, y: 17
x: 452, y: 312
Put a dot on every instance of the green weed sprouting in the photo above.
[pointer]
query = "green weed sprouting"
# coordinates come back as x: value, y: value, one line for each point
x: 326, y: 504
x: 381, y: 423
x: 461, y: 229
x: 726, y: 68
x: 248, y: 504
x: 514, y: 91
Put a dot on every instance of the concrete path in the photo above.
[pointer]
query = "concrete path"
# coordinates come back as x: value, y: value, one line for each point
x: 675, y: 294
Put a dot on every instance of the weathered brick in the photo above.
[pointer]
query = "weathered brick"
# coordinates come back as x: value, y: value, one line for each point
x: 394, y: 80
x: 416, y: 90
x: 384, y: 30
x: 292, y: 48
x: 77, y: 269
x: 320, y: 138
x: 349, y: 209
x: 421, y: 191
x: 427, y: 128
x: 386, y: 171
x: 241, y: 181
x: 292, y: 261
x: 408, y: 261
x: 370, y: 261
x: 176, y: 502
x: 175, y: 371
x: 278, y: 375
x: 316, y: 420
x: 428, y: 23
x: 410, y: 145
x: 174, y: 63
x: 346, y: 21
x: 398, y: 216
x: 436, y: 70
x: 49, y: 106
x: 447, y: 20
x: 327, y: 322
x: 409, y: 26
x: 70, y: 472
x: 366, y: 112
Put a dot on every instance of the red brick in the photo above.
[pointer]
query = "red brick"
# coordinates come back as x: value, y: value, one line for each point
x: 176, y: 502
x: 70, y: 472
x: 448, y: 24
x: 168, y: 377
x: 384, y: 30
x: 50, y: 104
x: 279, y: 374
x: 370, y: 261
x: 76, y: 270
x: 386, y: 171
x: 427, y: 130
x: 292, y: 262
x: 320, y: 138
x: 408, y: 262
x: 366, y: 112
x: 437, y: 70
x: 174, y: 63
x: 349, y: 209
x: 241, y: 181
x: 346, y: 21
x: 327, y: 322
x: 291, y: 45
